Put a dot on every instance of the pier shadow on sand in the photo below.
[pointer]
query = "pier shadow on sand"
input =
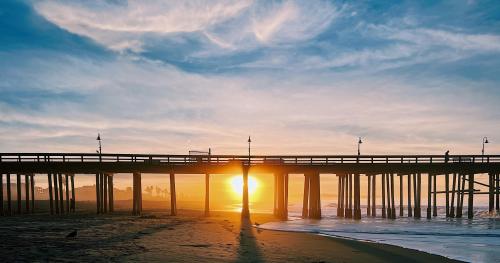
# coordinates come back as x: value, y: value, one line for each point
x: 248, y: 250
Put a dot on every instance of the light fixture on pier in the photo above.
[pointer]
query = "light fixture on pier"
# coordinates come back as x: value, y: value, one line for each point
x: 485, y: 140
x: 359, y: 145
x: 99, y: 140
x: 249, y: 142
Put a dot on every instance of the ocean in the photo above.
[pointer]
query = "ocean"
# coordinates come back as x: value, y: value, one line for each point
x: 476, y: 240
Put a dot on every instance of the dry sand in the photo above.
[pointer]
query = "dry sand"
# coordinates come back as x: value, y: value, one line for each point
x: 189, y: 237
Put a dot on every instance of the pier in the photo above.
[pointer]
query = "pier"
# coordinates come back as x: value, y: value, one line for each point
x: 460, y: 173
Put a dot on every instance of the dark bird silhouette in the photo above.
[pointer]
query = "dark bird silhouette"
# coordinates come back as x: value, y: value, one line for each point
x: 257, y: 224
x: 72, y: 234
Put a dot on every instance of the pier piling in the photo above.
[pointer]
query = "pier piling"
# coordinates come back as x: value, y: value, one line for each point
x: 51, y: 195
x: 1, y: 195
x: 447, y: 193
x: 27, y: 192
x: 173, y: 196
x: 383, y: 197
x: 452, y: 204
x: 9, y: 196
x: 368, y: 196
x: 401, y: 206
x: 61, y: 198
x: 374, y: 196
x: 410, y: 212
x: 305, y: 201
x: 56, y: 193
x: 429, y: 198
x: 470, y: 203
x: 67, y: 192
x: 434, y: 204
x: 97, y: 192
x: 18, y: 186
x: 110, y: 193
x: 32, y: 178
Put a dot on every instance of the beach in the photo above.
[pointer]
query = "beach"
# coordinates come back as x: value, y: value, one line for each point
x: 189, y: 237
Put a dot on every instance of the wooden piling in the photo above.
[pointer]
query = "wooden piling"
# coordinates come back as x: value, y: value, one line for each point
x: 134, y: 194
x: 429, y: 197
x: 374, y: 195
x: 207, y: 194
x: 383, y: 197
x: 67, y: 192
x: 98, y: 197
x: 357, y: 197
x: 56, y: 193
x: 339, y: 207
x: 401, y: 206
x: 419, y: 196
x: 111, y: 194
x: 497, y: 191
x: 102, y: 192
x: 410, y: 212
x: 51, y: 195
x: 393, y: 205
x: 368, y: 197
x: 9, y: 196
x: 305, y: 200
x: 388, y: 195
x: 346, y: 196
x: 470, y: 205
x: 281, y: 195
x: 434, y: 202
x: 73, y: 200
x: 1, y: 195
x: 491, y: 192
x: 342, y: 195
x: 173, y: 198
x: 314, y: 198
x: 18, y: 186
x: 61, y: 199
x: 275, y: 208
x: 452, y: 205
x: 105, y: 192
x: 350, y: 215
x: 27, y: 192
x: 32, y: 178
x: 139, y: 191
x: 460, y: 195
x: 447, y: 193
x: 285, y: 216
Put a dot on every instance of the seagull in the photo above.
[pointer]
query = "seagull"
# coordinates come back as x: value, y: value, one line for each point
x: 72, y: 234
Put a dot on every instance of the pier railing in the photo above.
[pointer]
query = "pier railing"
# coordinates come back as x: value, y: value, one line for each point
x: 253, y: 160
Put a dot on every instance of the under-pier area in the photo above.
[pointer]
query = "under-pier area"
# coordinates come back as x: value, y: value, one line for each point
x: 461, y: 173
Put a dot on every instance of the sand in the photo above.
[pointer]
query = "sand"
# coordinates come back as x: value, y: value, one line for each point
x: 188, y: 237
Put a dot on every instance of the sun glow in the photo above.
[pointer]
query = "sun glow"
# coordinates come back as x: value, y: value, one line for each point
x: 237, y: 184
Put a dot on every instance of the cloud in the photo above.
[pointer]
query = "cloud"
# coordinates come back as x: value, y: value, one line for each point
x: 126, y: 27
x: 145, y: 106
x: 122, y: 26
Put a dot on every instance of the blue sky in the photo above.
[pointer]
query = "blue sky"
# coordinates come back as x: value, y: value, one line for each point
x: 299, y: 76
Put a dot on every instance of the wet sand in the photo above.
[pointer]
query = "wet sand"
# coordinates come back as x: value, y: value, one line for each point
x: 189, y: 237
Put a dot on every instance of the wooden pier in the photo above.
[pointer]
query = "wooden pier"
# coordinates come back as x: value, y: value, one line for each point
x: 463, y: 170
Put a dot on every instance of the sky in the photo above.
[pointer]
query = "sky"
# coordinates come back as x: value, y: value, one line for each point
x: 300, y: 77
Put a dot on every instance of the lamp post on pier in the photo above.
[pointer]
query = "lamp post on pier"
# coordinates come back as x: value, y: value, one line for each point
x: 485, y: 140
x: 100, y: 146
x: 359, y: 146
x: 249, y: 142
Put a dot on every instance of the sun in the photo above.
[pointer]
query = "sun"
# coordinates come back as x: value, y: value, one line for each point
x: 237, y: 184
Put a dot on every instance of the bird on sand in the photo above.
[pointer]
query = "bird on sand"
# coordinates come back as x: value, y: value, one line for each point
x: 72, y: 234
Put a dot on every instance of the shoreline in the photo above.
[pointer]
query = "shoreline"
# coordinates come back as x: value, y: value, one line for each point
x: 156, y: 236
